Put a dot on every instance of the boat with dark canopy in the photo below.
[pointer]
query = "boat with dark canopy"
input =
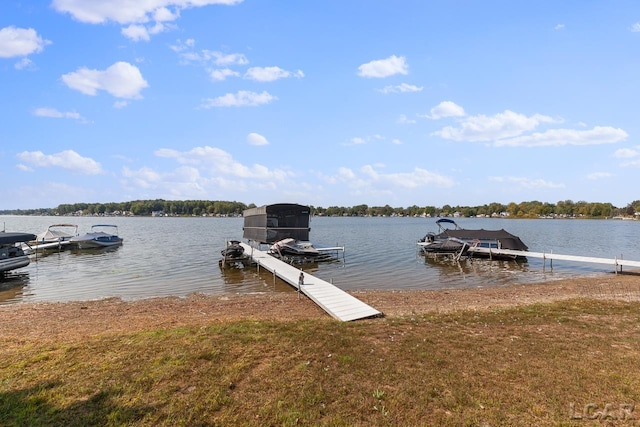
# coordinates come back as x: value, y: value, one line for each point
x: 11, y: 254
x: 285, y: 227
x: 452, y: 239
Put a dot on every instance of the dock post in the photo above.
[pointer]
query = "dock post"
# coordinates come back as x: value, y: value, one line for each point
x: 621, y: 257
x: 300, y: 282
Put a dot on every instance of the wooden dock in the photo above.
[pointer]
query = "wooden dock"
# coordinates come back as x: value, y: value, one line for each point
x: 333, y: 300
x: 614, y: 262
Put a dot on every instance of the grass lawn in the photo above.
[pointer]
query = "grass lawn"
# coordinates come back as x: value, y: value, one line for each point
x: 567, y: 363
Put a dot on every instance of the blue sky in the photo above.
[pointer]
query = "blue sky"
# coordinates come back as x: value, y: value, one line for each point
x: 319, y: 102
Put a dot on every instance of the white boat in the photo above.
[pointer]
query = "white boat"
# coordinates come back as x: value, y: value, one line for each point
x: 56, y: 236
x: 97, y: 238
x: 291, y: 246
x: 11, y: 254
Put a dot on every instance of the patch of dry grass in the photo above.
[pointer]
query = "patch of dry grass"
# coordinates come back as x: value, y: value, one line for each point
x: 541, y: 364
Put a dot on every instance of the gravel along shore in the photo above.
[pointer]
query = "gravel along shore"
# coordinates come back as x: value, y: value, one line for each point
x: 76, y: 320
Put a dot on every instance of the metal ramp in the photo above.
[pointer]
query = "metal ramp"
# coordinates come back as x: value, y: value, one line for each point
x: 333, y: 300
x: 614, y: 262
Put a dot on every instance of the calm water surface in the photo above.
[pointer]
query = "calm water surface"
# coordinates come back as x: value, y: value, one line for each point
x: 179, y: 256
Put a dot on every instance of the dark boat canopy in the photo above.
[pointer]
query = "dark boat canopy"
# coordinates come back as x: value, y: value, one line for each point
x: 270, y: 223
x: 507, y: 240
x: 11, y: 238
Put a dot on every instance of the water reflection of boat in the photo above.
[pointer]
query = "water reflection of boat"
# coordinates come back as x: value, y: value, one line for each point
x: 11, y: 286
x: 451, y: 239
x: 98, y: 238
x: 11, y: 254
x: 469, y: 268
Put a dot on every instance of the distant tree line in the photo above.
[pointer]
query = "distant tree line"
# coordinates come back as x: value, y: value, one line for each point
x: 533, y: 209
x: 157, y: 207
x: 160, y: 207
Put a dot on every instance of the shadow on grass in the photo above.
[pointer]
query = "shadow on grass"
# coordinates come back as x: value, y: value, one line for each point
x: 32, y: 407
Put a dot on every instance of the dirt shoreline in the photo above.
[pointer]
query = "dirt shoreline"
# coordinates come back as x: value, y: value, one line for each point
x: 76, y: 320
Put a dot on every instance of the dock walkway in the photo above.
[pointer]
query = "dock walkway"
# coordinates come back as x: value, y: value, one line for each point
x: 333, y: 300
x: 615, y: 262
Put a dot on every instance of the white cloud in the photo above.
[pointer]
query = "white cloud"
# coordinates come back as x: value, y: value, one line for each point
x: 214, y: 161
x: 219, y: 59
x: 133, y: 14
x: 24, y: 63
x: 629, y: 153
x: 257, y: 139
x: 488, y: 128
x: 599, y: 175
x: 20, y: 42
x: 67, y: 159
x: 121, y: 80
x: 242, y: 98
x: 269, y: 74
x: 559, y: 27
x: 417, y: 178
x: 446, y: 109
x: 626, y: 153
x: 136, y: 33
x: 527, y: 183
x: 55, y: 114
x: 405, y: 120
x: 401, y: 88
x: 558, y: 137
x: 346, y: 173
x: 635, y: 27
x: 144, y: 177
x: 364, y: 140
x: 370, y: 181
x: 222, y: 74
x: 384, y: 67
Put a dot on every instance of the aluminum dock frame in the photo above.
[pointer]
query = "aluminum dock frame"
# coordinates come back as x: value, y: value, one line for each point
x: 333, y: 300
x: 616, y: 263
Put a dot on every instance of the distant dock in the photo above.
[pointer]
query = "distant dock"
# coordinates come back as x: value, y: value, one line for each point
x: 333, y: 300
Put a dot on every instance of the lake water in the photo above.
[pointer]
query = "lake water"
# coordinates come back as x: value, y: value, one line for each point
x: 179, y: 256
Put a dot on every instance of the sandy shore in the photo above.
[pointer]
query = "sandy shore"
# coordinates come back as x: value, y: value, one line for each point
x: 76, y: 320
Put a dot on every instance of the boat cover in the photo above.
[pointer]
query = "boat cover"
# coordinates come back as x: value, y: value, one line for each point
x: 507, y: 240
x: 11, y: 238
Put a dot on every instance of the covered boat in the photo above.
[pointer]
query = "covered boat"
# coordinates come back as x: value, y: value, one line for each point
x: 11, y: 254
x: 233, y: 251
x: 54, y: 237
x: 285, y: 227
x: 98, y: 238
x: 452, y: 239
x: 291, y: 246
